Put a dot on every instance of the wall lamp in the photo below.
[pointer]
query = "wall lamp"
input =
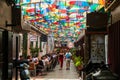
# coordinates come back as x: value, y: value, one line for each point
x: 6, y: 24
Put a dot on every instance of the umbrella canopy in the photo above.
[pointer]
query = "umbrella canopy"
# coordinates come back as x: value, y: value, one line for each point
x: 62, y: 17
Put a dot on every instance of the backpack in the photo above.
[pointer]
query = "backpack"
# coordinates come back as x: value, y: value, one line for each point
x: 68, y: 55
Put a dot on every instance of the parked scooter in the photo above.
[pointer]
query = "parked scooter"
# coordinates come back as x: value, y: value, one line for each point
x: 24, y: 72
x: 100, y: 72
x: 105, y: 73
x: 88, y: 70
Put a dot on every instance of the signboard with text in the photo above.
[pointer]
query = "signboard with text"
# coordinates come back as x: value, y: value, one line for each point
x: 33, y: 38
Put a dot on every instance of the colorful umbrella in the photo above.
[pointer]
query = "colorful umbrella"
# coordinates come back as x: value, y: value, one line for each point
x: 61, y: 17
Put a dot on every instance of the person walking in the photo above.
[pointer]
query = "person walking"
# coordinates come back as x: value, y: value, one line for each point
x: 68, y: 56
x: 60, y: 58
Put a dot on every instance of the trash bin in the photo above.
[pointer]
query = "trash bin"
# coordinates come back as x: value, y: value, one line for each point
x: 106, y: 75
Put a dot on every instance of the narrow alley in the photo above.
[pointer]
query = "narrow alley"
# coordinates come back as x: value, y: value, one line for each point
x: 36, y: 35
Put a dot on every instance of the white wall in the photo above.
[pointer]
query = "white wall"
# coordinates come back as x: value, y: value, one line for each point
x: 14, y: 45
x: 106, y: 49
x: 50, y: 43
x: 20, y: 43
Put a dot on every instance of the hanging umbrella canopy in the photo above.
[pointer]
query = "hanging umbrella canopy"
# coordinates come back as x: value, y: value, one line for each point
x: 62, y: 17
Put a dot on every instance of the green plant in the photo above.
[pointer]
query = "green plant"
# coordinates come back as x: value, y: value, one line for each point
x: 24, y: 46
x: 34, y: 51
x: 78, y: 61
x: 73, y: 50
x: 24, y: 53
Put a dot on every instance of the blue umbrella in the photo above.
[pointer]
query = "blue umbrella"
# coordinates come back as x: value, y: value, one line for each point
x: 82, y: 3
x: 49, y: 1
x: 81, y: 10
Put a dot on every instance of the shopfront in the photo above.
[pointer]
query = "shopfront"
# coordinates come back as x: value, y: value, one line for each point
x: 5, y: 51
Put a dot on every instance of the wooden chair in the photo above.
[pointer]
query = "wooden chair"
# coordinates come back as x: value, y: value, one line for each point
x: 32, y: 68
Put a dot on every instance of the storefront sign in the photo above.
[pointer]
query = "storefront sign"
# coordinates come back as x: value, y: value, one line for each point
x: 33, y: 38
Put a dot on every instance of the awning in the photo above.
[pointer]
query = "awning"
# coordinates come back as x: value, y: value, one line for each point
x: 25, y: 26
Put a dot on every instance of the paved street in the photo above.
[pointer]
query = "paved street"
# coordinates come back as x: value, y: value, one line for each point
x: 60, y: 74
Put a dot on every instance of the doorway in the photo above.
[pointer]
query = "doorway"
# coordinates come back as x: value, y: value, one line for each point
x: 5, y: 53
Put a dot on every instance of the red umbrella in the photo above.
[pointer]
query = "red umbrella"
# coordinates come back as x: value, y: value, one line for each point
x: 30, y: 10
x: 72, y: 2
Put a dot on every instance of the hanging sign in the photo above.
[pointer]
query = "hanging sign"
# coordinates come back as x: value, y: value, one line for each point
x: 33, y: 38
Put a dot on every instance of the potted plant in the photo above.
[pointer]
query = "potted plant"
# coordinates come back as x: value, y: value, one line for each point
x: 78, y: 61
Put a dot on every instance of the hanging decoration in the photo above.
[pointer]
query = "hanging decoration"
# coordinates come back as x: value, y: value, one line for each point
x: 63, y: 18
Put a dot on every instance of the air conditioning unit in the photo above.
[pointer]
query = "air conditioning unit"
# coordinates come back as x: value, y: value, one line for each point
x: 97, y: 19
x: 16, y: 19
x: 16, y: 16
